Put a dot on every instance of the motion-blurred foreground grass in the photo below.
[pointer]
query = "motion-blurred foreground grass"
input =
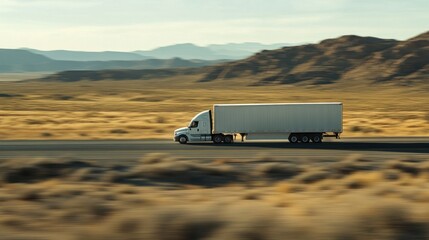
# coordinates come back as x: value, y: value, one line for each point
x: 144, y: 109
x: 159, y: 197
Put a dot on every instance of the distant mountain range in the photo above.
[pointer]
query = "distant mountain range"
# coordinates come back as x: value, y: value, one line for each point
x: 65, y: 55
x: 185, y: 51
x: 12, y: 60
x: 210, y: 52
x: 179, y: 55
x: 347, y: 59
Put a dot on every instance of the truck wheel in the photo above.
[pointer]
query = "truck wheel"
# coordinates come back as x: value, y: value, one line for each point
x: 228, y: 139
x: 316, y: 138
x: 305, y: 139
x: 293, y: 138
x: 217, y: 139
x: 183, y: 139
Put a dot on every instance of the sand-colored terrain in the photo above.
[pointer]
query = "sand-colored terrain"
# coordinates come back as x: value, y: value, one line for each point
x: 144, y: 109
x: 159, y: 197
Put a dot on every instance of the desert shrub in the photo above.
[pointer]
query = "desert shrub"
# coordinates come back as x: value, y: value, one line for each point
x: 179, y: 172
x: 87, y: 174
x: 154, y: 158
x: 277, y: 171
x: 85, y: 209
x: 384, y: 189
x: 173, y: 223
x: 379, y: 221
x: 222, y: 161
x: 355, y: 184
x: 63, y: 192
x: 174, y: 205
x: 27, y: 171
x: 46, y: 134
x: 313, y: 176
x: 405, y: 167
x: 119, y: 131
x: 161, y: 119
x: 356, y: 158
x: 424, y: 168
x: 9, y: 95
x: 415, y: 195
x: 388, y: 221
x: 287, y: 187
x: 361, y: 180
x: 148, y: 99
x: 251, y: 195
x: 391, y: 174
x: 351, y: 164
x: 13, y: 222
x: 30, y: 195
x: 265, y: 157
x: 365, y: 129
x: 34, y: 122
x: 252, y: 221
x: 192, y: 223
x: 129, y: 190
x: 327, y: 185
x: 412, y: 160
x: 62, y: 97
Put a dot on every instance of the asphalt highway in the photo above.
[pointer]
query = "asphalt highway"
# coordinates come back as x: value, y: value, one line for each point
x: 125, y: 150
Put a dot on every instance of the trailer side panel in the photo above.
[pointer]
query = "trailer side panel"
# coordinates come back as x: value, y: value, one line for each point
x: 278, y: 118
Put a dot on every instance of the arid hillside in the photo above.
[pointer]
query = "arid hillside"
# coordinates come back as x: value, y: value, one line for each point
x: 347, y: 58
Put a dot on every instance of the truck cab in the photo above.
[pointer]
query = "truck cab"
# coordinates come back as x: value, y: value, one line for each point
x: 199, y: 129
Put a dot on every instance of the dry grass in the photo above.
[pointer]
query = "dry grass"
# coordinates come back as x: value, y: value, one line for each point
x: 154, y: 108
x: 160, y: 197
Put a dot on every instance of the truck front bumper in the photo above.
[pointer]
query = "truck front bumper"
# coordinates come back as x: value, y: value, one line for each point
x: 176, y: 138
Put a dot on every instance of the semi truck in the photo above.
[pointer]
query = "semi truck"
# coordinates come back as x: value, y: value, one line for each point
x: 296, y: 122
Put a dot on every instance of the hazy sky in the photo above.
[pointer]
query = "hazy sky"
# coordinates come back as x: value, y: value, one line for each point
x: 144, y: 24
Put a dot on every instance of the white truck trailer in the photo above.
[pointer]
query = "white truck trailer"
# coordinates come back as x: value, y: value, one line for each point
x: 297, y: 122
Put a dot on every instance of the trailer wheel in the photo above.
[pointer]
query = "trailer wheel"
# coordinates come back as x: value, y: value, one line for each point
x: 183, y: 139
x: 217, y: 139
x: 316, y: 138
x: 228, y: 139
x: 293, y: 138
x: 305, y: 139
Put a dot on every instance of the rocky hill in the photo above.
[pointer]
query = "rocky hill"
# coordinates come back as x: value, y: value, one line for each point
x: 407, y: 63
x: 347, y: 58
